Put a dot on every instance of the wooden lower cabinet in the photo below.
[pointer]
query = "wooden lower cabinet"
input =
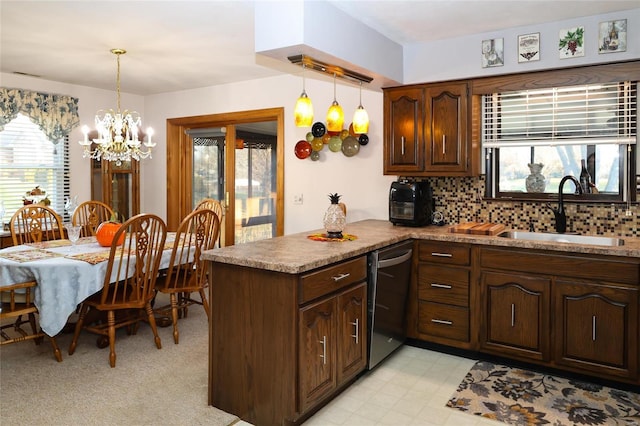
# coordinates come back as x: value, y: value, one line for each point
x: 515, y: 315
x: 281, y: 344
x: 332, y: 343
x: 443, y: 294
x: 594, y: 328
x: 568, y: 311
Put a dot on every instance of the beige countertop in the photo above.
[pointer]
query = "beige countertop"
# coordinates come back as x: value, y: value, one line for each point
x: 296, y: 253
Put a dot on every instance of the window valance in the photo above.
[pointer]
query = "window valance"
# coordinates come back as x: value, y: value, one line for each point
x: 55, y: 115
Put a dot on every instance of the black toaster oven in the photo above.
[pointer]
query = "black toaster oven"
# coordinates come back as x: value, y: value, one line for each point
x: 410, y: 203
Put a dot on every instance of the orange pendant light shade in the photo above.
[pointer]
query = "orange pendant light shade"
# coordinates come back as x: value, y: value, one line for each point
x: 360, y: 117
x: 361, y: 120
x: 303, y: 112
x: 335, y: 114
x: 335, y: 117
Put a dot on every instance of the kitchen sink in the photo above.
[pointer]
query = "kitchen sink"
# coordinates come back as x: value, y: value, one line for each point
x: 562, y: 238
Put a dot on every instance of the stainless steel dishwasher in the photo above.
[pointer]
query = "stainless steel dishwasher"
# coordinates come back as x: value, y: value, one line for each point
x: 389, y: 278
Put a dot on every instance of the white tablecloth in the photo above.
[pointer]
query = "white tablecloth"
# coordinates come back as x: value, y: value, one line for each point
x: 63, y: 283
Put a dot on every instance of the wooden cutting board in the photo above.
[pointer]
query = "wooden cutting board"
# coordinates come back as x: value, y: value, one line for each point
x: 477, y: 228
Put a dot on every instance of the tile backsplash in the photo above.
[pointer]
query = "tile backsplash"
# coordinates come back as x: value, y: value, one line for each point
x: 462, y: 200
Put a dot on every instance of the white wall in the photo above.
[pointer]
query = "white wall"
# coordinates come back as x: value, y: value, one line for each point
x: 461, y: 57
x: 358, y: 179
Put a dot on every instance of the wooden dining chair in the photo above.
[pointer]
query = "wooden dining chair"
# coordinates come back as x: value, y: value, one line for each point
x: 129, y: 283
x: 16, y: 302
x: 34, y: 223
x: 216, y: 206
x: 90, y: 214
x: 187, y: 272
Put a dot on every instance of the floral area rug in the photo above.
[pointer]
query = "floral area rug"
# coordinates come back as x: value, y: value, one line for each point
x: 522, y: 397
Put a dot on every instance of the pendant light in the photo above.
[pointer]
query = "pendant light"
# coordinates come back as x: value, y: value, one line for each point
x: 303, y: 112
x: 335, y: 115
x: 360, y: 117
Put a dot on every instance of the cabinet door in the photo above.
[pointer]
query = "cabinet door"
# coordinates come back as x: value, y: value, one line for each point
x: 596, y: 328
x: 117, y: 185
x: 515, y: 310
x: 352, y: 336
x: 404, y: 131
x: 446, y: 128
x: 317, y: 351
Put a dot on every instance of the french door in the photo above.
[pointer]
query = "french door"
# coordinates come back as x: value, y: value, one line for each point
x: 250, y: 149
x: 235, y: 158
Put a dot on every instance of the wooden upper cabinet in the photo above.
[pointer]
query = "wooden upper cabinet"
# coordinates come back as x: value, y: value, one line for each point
x: 427, y: 131
x: 446, y: 128
x: 404, y: 131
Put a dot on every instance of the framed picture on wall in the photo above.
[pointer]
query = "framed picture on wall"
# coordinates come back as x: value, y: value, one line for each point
x: 571, y: 43
x: 529, y: 47
x: 493, y: 53
x: 612, y: 36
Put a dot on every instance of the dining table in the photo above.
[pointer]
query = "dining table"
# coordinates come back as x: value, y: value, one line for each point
x: 66, y: 274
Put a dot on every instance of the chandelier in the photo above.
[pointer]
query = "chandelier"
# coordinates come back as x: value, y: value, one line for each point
x: 118, y: 133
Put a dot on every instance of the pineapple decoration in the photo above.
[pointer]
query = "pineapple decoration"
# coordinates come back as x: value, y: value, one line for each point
x: 334, y: 217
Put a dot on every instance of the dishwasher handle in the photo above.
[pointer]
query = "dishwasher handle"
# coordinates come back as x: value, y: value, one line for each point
x: 386, y: 263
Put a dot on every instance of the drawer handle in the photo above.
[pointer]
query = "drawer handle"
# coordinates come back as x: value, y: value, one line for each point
x: 340, y: 277
x: 436, y: 254
x: 438, y: 321
x: 436, y: 285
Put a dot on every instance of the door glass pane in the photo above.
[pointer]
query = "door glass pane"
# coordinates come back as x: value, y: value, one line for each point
x: 121, y: 190
x: 208, y: 168
x: 255, y: 185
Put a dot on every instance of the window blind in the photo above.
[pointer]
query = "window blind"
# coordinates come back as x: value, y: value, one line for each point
x: 28, y: 159
x: 573, y: 115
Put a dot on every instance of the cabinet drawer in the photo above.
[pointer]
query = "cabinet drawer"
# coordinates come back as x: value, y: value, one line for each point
x: 327, y: 280
x: 443, y: 252
x: 451, y: 322
x: 443, y: 284
x: 610, y: 268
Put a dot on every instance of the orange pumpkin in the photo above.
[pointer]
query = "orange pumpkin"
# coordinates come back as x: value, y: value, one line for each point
x: 106, y: 231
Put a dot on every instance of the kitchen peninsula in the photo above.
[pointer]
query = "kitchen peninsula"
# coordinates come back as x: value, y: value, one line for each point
x: 275, y: 301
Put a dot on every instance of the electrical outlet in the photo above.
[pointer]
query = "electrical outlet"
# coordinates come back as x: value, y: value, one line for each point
x: 298, y: 199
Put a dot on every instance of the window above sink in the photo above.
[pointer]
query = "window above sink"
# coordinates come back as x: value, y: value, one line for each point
x: 532, y: 138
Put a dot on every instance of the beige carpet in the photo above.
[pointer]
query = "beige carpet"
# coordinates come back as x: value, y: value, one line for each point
x: 147, y: 387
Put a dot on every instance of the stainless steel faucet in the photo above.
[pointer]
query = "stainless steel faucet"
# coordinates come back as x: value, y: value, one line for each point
x: 561, y: 217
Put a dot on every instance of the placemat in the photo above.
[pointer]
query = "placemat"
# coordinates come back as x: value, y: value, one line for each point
x: 61, y: 243
x: 94, y: 258
x: 323, y: 237
x: 29, y: 255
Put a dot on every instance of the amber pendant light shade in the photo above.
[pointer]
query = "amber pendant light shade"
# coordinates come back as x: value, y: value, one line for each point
x: 335, y: 115
x: 360, y: 117
x: 303, y: 111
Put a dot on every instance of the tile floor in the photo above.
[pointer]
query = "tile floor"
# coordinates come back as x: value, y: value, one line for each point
x: 409, y: 388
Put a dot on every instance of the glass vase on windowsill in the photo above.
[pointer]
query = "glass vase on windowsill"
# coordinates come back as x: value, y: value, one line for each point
x: 334, y: 217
